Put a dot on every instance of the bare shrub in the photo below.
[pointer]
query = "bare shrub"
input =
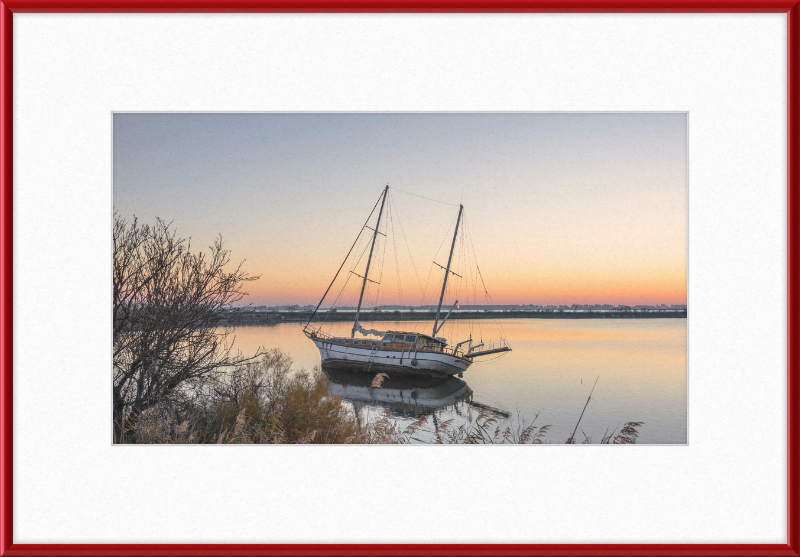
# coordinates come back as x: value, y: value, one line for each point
x: 167, y: 312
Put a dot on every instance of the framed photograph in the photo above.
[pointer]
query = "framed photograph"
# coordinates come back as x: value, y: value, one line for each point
x: 399, y: 279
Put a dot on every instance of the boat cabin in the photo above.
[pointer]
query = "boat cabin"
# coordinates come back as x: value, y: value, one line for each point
x: 394, y: 340
x: 413, y: 341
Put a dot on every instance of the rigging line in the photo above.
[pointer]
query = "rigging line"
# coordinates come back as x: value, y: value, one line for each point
x: 486, y: 291
x: 498, y: 323
x: 463, y: 279
x: 465, y: 263
x: 423, y: 197
x: 446, y: 235
x: 380, y: 277
x: 378, y: 290
x: 334, y: 303
x: 424, y: 294
x: 465, y: 269
x: 425, y: 291
x: 444, y: 238
x: 396, y: 262
x: 467, y: 274
x: 400, y: 223
x: 369, y: 315
x: 492, y: 360
x: 340, y: 297
x: 471, y: 273
x: 349, y: 276
x: 457, y: 286
x: 390, y: 226
x: 363, y: 251
x: 343, y: 262
x: 433, y: 292
x: 469, y: 267
x: 351, y: 300
x: 352, y: 269
x: 462, y: 258
x: 474, y: 277
x: 456, y: 291
x: 489, y: 296
x: 472, y: 244
x: 475, y: 286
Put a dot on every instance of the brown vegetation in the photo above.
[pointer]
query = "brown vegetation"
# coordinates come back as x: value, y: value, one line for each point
x: 267, y: 402
x: 257, y: 402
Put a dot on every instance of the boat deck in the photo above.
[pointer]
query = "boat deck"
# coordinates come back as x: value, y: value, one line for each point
x: 424, y: 343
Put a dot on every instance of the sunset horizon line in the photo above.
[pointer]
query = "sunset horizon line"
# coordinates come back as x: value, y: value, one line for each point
x: 466, y: 306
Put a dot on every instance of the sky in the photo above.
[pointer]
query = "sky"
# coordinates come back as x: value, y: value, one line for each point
x: 559, y: 208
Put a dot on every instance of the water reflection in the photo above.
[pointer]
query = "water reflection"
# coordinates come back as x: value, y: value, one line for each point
x: 407, y: 397
x: 641, y: 364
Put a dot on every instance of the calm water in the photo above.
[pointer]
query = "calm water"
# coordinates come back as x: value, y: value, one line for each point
x: 641, y: 364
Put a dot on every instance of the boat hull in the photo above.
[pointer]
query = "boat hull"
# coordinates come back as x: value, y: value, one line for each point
x: 422, y: 364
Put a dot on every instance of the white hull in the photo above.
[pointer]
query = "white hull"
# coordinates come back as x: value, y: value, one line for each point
x: 376, y: 360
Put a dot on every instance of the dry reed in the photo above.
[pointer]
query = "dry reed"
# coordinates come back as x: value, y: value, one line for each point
x: 266, y: 402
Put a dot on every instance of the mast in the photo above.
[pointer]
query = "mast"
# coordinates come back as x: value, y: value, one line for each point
x: 366, y: 273
x: 447, y: 271
x: 343, y: 262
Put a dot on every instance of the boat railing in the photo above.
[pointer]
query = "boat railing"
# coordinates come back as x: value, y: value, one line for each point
x: 492, y: 344
x: 317, y: 332
x: 438, y: 349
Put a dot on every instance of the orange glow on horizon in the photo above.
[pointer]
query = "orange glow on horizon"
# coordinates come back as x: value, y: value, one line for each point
x: 558, y: 209
x: 662, y: 288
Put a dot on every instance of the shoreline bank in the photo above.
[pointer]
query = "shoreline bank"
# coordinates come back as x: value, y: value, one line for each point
x: 253, y: 317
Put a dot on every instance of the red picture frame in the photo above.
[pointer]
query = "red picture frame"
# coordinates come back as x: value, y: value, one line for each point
x: 7, y: 10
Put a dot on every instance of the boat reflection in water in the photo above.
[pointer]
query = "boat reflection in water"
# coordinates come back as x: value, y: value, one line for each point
x: 404, y: 396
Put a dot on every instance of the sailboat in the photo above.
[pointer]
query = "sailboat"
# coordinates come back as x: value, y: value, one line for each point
x: 399, y: 352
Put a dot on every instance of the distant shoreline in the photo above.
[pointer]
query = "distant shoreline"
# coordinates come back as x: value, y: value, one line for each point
x: 258, y: 317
